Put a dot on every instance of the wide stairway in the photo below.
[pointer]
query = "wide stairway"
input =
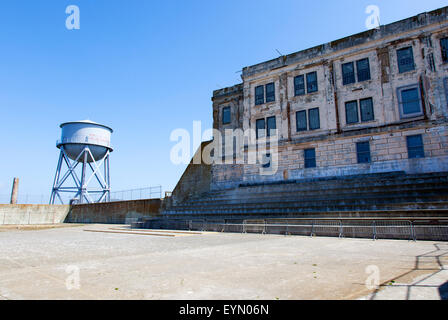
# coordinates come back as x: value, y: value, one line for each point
x: 383, y: 195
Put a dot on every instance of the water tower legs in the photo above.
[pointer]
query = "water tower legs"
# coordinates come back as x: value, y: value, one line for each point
x: 82, y: 194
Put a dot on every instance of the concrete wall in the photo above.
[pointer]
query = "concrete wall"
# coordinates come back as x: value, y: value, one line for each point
x: 114, y: 212
x: 22, y: 214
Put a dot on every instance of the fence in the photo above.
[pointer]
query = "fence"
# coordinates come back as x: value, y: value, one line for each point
x: 124, y: 195
x: 407, y: 229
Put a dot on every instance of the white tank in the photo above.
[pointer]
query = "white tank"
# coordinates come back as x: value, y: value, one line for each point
x: 77, y: 135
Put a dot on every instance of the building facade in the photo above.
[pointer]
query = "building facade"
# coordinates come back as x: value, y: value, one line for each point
x: 372, y: 102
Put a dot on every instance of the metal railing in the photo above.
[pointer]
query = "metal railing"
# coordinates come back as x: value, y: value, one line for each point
x: 26, y: 198
x: 137, y: 194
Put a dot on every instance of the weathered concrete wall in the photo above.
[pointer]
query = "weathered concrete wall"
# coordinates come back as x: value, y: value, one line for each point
x: 114, y: 212
x: 195, y: 180
x: 22, y: 214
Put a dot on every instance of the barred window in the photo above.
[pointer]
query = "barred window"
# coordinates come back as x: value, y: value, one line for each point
x: 259, y: 95
x: 405, y: 59
x: 366, y: 106
x: 444, y: 46
x: 301, y: 121
x: 363, y: 69
x: 313, y: 117
x: 415, y: 146
x: 299, y: 85
x: 351, y: 112
x: 226, y: 115
x: 261, y: 129
x: 348, y: 73
x: 310, y: 158
x: 311, y: 82
x: 271, y: 126
x: 270, y: 92
x: 363, y: 152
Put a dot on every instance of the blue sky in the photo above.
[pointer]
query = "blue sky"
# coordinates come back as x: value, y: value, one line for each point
x: 144, y: 68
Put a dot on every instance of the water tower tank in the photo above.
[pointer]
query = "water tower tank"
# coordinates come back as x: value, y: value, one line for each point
x: 77, y: 135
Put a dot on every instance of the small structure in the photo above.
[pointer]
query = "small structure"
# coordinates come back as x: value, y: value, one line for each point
x: 15, y: 191
x: 84, y: 143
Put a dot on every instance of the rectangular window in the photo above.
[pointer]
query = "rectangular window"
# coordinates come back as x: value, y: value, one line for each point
x: 366, y: 106
x: 410, y: 102
x: 301, y: 123
x: 363, y: 69
x: 444, y: 46
x: 363, y: 152
x: 272, y: 126
x: 415, y: 146
x: 226, y: 115
x: 310, y: 158
x: 311, y: 82
x: 351, y: 112
x: 270, y: 92
x: 313, y: 117
x: 299, y: 85
x: 405, y: 59
x: 261, y: 129
x: 259, y: 95
x: 348, y: 73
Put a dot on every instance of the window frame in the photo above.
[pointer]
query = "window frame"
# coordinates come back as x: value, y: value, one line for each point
x: 302, y: 76
x: 263, y: 129
x: 271, y: 96
x: 308, y: 91
x: 400, y: 101
x: 400, y: 66
x: 368, y: 70
x: 257, y: 96
x: 356, y: 109
x: 412, y: 149
x: 309, y: 119
x: 372, y: 109
x: 223, y: 113
x: 268, y: 130
x: 308, y: 159
x: 344, y: 76
x: 304, y: 112
x: 359, y: 152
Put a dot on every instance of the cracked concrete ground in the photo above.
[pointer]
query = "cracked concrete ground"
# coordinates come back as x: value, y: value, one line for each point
x: 45, y: 264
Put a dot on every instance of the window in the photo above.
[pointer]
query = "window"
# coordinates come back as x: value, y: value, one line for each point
x: 260, y: 124
x: 405, y: 59
x: 271, y: 126
x: 270, y: 92
x: 410, y: 101
x: 348, y: 73
x: 301, y: 123
x: 444, y: 46
x: 310, y: 158
x: 311, y: 82
x: 313, y: 117
x: 226, y: 115
x: 259, y: 95
x: 299, y: 85
x: 366, y: 106
x: 363, y: 69
x: 363, y: 152
x: 351, y: 112
x: 415, y: 146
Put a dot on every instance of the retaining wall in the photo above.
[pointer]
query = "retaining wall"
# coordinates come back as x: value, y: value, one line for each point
x: 26, y: 214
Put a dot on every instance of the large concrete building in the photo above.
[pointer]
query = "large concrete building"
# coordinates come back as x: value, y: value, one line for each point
x: 373, y: 102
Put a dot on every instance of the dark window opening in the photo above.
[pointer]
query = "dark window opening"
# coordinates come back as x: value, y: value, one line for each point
x: 348, y: 73
x: 415, y: 146
x: 301, y: 122
x: 366, y: 106
x: 363, y: 152
x: 299, y: 85
x: 270, y: 92
x: 363, y: 69
x: 311, y: 82
x: 310, y: 158
x: 259, y: 95
x: 261, y: 129
x: 351, y: 112
x: 405, y: 59
x: 410, y: 101
x: 272, y: 127
x: 444, y: 46
x: 313, y: 117
x: 226, y: 117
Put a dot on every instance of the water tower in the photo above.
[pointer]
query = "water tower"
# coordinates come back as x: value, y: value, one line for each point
x: 83, y: 144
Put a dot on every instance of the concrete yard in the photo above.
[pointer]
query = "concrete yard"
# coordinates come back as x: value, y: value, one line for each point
x: 45, y: 263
